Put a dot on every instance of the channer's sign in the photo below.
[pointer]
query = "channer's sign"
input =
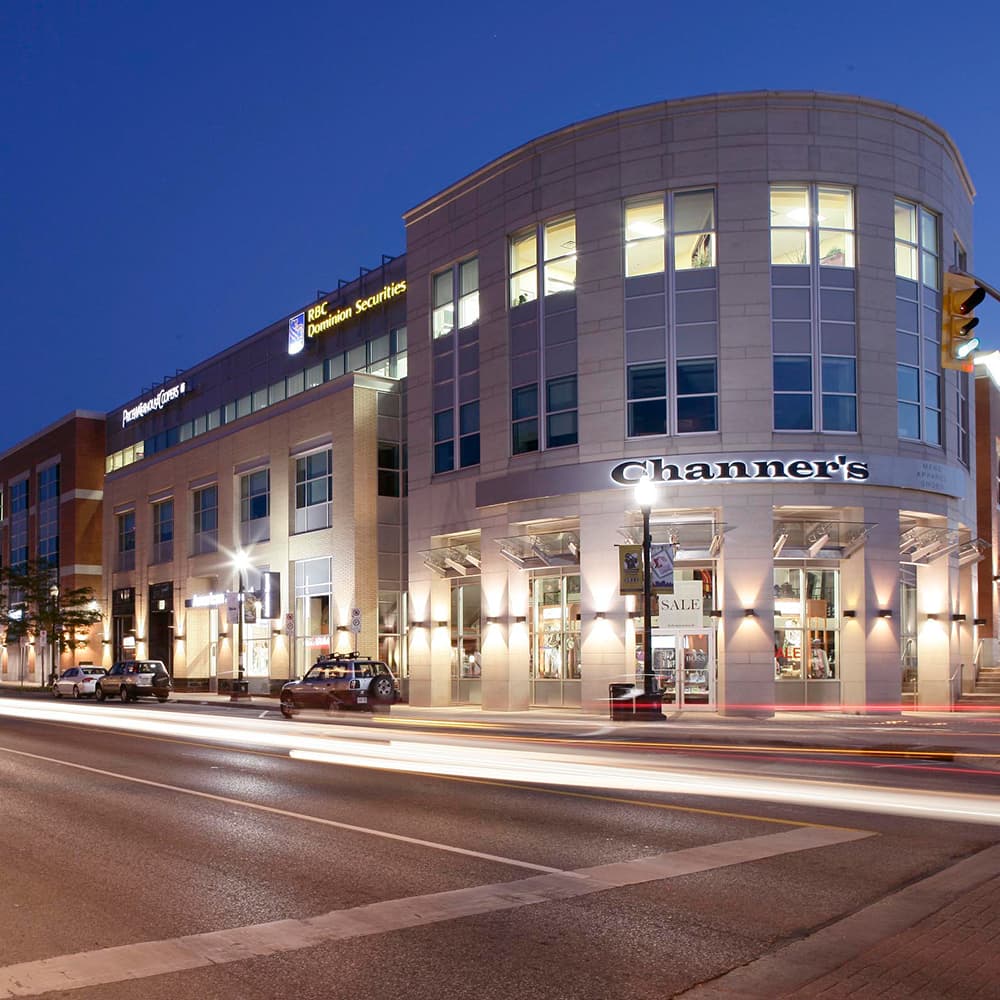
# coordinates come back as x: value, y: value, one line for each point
x: 165, y: 396
x: 660, y: 470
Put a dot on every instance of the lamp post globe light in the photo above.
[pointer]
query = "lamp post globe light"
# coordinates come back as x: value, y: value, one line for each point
x: 645, y: 494
x: 240, y: 563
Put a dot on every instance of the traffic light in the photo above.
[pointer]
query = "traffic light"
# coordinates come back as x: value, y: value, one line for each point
x: 960, y: 296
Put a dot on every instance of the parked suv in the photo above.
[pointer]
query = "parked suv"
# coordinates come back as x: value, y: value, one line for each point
x: 131, y: 679
x: 341, y: 681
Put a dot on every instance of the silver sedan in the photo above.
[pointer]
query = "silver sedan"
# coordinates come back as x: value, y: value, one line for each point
x: 77, y: 682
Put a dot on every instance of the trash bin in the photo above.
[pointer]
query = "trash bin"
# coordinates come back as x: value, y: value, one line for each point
x: 628, y: 702
x: 621, y: 701
x: 239, y: 690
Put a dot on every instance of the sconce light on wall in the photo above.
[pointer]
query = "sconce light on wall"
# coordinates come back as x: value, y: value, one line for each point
x: 885, y: 612
x: 105, y: 642
x: 276, y: 631
x: 715, y: 613
x: 933, y: 617
x: 520, y: 619
x: 599, y: 614
x: 420, y: 624
x: 441, y: 624
x: 850, y: 613
x: 996, y: 578
x: 342, y: 628
x: 958, y: 618
x: 978, y: 621
x: 749, y: 612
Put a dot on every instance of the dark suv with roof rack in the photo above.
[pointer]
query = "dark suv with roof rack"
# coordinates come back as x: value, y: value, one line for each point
x: 341, y: 680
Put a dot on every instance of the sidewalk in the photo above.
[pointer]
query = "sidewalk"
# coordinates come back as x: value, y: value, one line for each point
x: 936, y: 938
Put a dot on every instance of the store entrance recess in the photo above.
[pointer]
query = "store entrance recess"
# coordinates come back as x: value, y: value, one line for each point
x: 684, y: 666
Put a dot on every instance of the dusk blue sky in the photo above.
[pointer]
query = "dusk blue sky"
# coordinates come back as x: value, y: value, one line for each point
x: 176, y: 176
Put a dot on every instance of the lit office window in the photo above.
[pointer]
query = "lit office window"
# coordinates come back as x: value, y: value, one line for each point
x: 918, y: 323
x: 813, y: 308
x: 560, y: 256
x: 523, y: 268
x: 671, y: 314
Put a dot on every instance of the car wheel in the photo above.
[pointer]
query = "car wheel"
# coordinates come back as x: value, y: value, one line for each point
x: 99, y: 693
x: 288, y: 708
x: 76, y: 691
x: 56, y: 693
x: 380, y: 689
x: 161, y: 698
x: 123, y: 694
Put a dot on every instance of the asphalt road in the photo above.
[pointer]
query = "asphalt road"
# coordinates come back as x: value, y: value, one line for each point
x: 223, y: 855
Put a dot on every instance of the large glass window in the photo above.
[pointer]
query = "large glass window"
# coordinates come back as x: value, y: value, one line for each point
x: 19, y: 492
x: 163, y: 531
x: 806, y: 623
x: 205, y: 509
x: 918, y: 323
x: 48, y: 516
x: 813, y: 308
x: 255, y: 506
x: 126, y: 540
x: 313, y: 490
x: 523, y: 268
x: 558, y: 239
x: 313, y: 609
x: 671, y: 324
x: 555, y: 609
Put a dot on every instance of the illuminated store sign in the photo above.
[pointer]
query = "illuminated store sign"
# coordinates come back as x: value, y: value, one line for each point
x: 660, y: 470
x: 211, y: 600
x: 323, y: 316
x: 297, y: 333
x: 157, y: 402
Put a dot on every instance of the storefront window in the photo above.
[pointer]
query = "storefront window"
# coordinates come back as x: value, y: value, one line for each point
x: 555, y: 607
x: 806, y: 623
x: 313, y: 601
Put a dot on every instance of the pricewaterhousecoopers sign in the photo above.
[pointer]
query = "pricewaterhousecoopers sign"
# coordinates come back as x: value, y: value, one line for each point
x: 789, y: 469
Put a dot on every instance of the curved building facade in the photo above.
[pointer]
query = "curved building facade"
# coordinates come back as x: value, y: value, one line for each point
x: 737, y: 296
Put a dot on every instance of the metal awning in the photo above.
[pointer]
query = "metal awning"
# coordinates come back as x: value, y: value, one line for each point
x: 541, y: 549
x: 814, y: 539
x: 694, y: 539
x: 453, y: 560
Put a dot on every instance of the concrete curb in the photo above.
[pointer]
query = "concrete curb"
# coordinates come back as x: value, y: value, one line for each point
x: 796, y: 965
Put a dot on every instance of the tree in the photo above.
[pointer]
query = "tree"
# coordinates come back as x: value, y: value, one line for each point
x: 32, y: 602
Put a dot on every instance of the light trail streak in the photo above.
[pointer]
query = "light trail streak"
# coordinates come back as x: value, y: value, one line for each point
x: 537, y: 766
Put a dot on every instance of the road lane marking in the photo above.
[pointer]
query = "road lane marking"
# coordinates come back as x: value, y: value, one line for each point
x: 274, y: 811
x: 155, y: 958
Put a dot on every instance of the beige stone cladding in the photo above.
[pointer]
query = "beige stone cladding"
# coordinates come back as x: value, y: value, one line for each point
x: 737, y: 145
x: 341, y: 415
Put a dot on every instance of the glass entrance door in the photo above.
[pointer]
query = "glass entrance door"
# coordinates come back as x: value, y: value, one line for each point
x: 684, y: 664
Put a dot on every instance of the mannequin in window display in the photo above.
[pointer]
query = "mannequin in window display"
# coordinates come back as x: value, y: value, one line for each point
x: 819, y: 662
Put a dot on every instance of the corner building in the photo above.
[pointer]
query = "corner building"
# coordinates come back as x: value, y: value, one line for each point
x: 738, y: 295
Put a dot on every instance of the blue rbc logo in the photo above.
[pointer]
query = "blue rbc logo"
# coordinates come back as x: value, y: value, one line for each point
x: 296, y: 333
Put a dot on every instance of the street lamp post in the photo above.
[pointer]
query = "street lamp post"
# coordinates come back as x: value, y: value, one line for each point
x: 238, y: 692
x: 56, y: 631
x: 645, y: 494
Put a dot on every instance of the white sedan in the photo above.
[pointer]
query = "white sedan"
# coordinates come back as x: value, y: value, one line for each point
x: 78, y: 682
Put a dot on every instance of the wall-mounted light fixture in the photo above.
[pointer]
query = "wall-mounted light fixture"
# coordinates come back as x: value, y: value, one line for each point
x: 599, y: 614
x: 578, y: 617
x: 996, y: 578
x: 342, y: 628
x: 749, y: 612
x: 520, y: 619
x: 850, y: 613
x: 420, y: 624
x: 105, y: 642
x: 276, y: 631
x: 885, y: 612
x: 978, y: 621
x: 441, y: 624
x: 933, y: 617
x: 958, y: 618
x: 715, y: 613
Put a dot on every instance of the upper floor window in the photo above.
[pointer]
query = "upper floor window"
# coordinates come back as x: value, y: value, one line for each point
x: 459, y: 284
x: 205, y: 508
x: 126, y: 541
x: 812, y: 224
x: 558, y: 241
x: 19, y: 492
x: 48, y: 515
x: 313, y: 490
x: 255, y: 506
x: 163, y: 531
x: 918, y: 323
x: 692, y: 227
